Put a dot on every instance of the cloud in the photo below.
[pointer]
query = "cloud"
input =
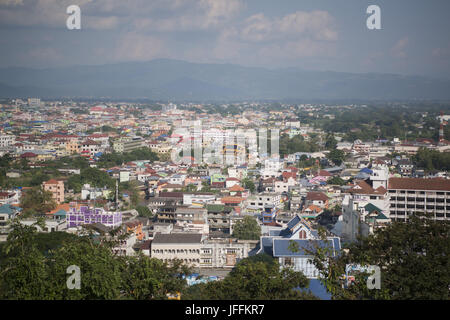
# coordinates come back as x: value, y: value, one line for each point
x: 398, y: 50
x: 138, y: 47
x: 296, y: 35
x: 162, y: 15
x: 11, y: 2
x: 441, y: 53
x: 316, y: 25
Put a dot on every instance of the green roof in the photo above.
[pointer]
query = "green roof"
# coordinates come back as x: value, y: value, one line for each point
x: 218, y: 208
x: 381, y: 217
x: 9, y: 209
x: 371, y: 208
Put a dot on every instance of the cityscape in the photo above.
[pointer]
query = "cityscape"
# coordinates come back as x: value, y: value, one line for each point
x: 156, y: 178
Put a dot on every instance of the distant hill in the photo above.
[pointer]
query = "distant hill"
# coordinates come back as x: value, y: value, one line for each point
x: 165, y: 79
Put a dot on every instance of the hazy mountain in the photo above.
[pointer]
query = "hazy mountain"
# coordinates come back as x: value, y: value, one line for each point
x: 165, y: 79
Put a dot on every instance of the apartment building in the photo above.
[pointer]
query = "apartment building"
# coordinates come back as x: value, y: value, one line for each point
x: 177, y: 246
x: 259, y: 202
x: 6, y: 140
x: 127, y: 144
x: 408, y: 195
x: 56, y: 187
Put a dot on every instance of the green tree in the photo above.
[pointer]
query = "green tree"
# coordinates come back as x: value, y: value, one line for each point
x: 247, y: 229
x: 337, y: 181
x: 145, y: 278
x: 337, y: 156
x: 144, y: 211
x: 37, y: 201
x: 255, y: 278
x: 413, y: 257
x: 249, y: 184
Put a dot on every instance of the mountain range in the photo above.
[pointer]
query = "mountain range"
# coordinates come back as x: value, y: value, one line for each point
x: 174, y: 80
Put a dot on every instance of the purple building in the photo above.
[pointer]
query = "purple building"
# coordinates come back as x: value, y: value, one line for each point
x: 86, y: 215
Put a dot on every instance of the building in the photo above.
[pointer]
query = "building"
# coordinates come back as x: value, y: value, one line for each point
x: 7, y: 140
x: 177, y: 246
x: 409, y: 195
x: 127, y: 144
x: 56, y: 187
x: 89, y: 148
x: 87, y: 215
x: 294, y: 245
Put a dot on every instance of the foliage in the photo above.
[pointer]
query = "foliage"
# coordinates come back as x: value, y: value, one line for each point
x: 249, y: 184
x: 30, y: 269
x: 144, y: 211
x: 413, y: 257
x: 247, y: 229
x: 337, y: 181
x: 36, y: 201
x: 337, y: 156
x: 108, y: 160
x: 93, y: 176
x: 432, y: 159
x: 255, y: 278
x: 295, y: 144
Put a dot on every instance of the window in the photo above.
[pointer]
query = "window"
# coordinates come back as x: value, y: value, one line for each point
x: 288, y: 262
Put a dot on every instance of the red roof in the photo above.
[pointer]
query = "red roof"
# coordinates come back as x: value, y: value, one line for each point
x: 28, y: 155
x: 362, y: 187
x: 316, y: 196
x: 419, y: 184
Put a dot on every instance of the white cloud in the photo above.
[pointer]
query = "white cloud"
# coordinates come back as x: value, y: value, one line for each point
x: 138, y: 47
x: 398, y: 50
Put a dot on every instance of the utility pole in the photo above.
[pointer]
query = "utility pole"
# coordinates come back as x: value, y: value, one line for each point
x: 117, y: 194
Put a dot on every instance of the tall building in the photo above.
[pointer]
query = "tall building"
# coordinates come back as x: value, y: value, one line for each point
x: 127, y: 144
x: 56, y: 187
x: 408, y: 195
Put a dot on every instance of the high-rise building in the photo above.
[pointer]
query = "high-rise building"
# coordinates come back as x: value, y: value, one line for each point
x: 409, y: 195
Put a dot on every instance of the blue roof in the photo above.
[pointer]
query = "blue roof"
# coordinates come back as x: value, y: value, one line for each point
x: 266, y: 245
x: 274, y: 233
x: 9, y: 209
x: 294, y: 221
x: 366, y: 170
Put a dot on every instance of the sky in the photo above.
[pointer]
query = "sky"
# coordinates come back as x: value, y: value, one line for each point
x: 310, y: 34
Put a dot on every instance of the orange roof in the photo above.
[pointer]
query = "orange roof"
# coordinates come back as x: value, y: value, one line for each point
x: 51, y: 181
x: 231, y: 200
x: 62, y: 206
x: 236, y: 188
x: 314, y: 208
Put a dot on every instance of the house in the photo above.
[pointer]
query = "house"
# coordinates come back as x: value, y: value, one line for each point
x: 8, y: 212
x: 178, y: 246
x: 317, y: 198
x: 294, y: 246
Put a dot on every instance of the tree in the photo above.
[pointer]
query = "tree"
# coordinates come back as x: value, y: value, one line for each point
x: 247, y: 229
x: 337, y: 181
x: 254, y: 278
x: 337, y: 156
x: 145, y: 278
x: 248, y: 184
x: 330, y: 142
x: 413, y: 257
x: 37, y: 201
x: 144, y: 211
x: 31, y: 269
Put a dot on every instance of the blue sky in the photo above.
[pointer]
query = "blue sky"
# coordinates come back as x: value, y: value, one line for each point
x: 316, y: 35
